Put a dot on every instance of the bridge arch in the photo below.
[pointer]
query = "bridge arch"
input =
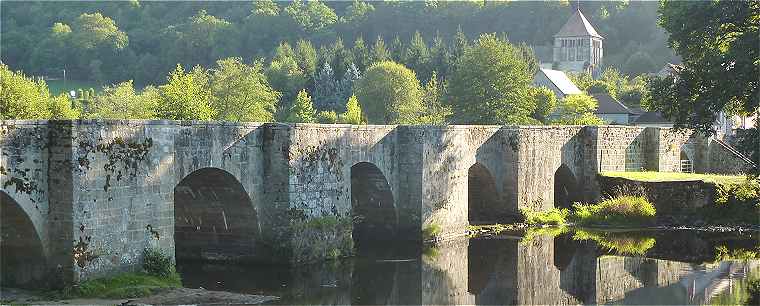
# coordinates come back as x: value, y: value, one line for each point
x: 482, y: 195
x: 566, y: 188
x: 214, y: 218
x: 22, y: 255
x: 372, y: 205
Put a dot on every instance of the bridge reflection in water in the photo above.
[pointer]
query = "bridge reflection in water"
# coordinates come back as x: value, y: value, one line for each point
x: 540, y: 269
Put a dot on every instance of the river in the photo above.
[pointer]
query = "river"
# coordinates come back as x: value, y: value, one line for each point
x: 546, y: 266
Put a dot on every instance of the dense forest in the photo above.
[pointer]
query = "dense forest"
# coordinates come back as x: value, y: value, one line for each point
x: 110, y: 42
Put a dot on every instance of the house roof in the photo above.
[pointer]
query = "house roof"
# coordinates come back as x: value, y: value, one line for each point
x: 560, y: 79
x: 577, y: 25
x: 609, y: 105
x: 652, y: 117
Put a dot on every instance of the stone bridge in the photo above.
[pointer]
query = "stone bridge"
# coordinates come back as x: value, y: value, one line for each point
x: 83, y: 199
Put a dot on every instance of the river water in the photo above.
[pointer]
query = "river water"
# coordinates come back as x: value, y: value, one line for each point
x: 545, y: 266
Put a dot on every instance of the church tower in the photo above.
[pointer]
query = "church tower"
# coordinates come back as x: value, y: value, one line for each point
x: 577, y: 46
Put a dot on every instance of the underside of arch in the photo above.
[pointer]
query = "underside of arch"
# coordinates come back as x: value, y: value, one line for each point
x: 372, y: 206
x: 482, y: 196
x: 566, y: 189
x: 22, y: 259
x: 214, y: 218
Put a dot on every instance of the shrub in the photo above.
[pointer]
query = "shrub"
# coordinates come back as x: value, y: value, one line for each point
x: 735, y: 203
x: 327, y: 117
x: 622, y: 210
x: 155, y: 262
x: 754, y: 292
x: 551, y: 217
x: 431, y: 231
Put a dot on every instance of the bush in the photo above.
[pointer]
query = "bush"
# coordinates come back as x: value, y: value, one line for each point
x: 156, y: 263
x: 552, y: 217
x: 327, y: 117
x: 735, y: 203
x: 754, y: 292
x: 622, y: 210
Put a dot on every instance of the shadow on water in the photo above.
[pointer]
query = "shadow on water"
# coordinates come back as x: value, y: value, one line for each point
x: 589, y: 267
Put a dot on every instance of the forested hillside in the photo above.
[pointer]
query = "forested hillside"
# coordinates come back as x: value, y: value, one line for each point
x: 110, y: 42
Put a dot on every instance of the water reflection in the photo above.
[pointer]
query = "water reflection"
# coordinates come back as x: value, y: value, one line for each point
x: 557, y: 267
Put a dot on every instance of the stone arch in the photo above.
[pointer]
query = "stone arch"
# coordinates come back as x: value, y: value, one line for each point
x: 22, y: 255
x: 214, y: 218
x: 482, y: 195
x: 372, y: 205
x: 564, y: 251
x: 566, y: 188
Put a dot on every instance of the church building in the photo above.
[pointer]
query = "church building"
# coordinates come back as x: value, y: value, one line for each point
x: 577, y: 46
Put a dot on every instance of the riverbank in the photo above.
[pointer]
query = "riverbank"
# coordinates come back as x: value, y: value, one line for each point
x: 173, y: 296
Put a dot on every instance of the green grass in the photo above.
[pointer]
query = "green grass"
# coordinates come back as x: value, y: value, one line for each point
x: 57, y: 87
x: 651, y: 176
x: 618, y: 211
x: 551, y: 217
x: 126, y: 285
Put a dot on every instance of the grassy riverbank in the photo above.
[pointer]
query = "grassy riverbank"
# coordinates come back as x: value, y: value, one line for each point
x: 652, y: 176
x: 158, y: 274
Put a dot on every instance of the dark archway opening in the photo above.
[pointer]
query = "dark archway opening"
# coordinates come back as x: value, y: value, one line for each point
x: 214, y: 219
x: 372, y: 207
x: 566, y: 189
x: 22, y: 260
x: 482, y: 196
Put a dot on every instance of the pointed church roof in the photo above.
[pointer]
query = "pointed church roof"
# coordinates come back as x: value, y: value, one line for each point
x: 577, y: 25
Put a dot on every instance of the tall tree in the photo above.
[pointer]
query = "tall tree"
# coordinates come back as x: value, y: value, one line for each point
x: 241, y: 92
x: 186, y: 96
x: 718, y: 42
x: 379, y: 52
x: 302, y: 110
x: 390, y: 93
x: 491, y: 85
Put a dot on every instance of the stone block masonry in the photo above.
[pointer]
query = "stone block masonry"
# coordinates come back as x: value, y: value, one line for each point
x: 86, y: 197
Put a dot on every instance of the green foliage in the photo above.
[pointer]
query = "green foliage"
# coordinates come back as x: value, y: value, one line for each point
x: 491, y: 85
x: 23, y: 98
x: 353, y: 114
x: 126, y: 285
x: 327, y: 117
x: 435, y: 111
x: 120, y: 101
x: 390, y: 93
x: 241, y: 92
x: 735, y: 203
x: 553, y: 216
x: 186, y: 96
x: 94, y: 30
x: 618, y: 211
x: 302, y: 110
x: 577, y: 110
x: 620, y: 243
x: 546, y: 102
x: 653, y: 176
x: 718, y: 44
x: 431, y: 231
x: 152, y: 37
x: 156, y: 263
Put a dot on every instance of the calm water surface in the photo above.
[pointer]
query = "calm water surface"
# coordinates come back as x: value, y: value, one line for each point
x: 549, y: 266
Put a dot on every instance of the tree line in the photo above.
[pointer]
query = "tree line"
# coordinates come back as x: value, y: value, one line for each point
x: 111, y: 42
x: 489, y: 83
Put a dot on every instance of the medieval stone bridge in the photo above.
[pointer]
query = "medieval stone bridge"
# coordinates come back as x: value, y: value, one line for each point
x: 83, y: 199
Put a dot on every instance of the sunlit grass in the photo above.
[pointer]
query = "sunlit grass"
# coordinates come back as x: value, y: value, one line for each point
x: 618, y: 211
x: 652, y: 176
